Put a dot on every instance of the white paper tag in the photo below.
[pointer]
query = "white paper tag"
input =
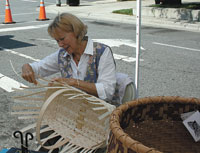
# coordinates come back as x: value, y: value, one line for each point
x: 186, y: 115
x: 192, y: 123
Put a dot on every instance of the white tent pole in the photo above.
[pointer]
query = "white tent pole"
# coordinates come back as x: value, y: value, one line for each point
x: 138, y: 40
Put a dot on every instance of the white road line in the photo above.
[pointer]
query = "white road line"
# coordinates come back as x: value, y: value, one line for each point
x: 23, y: 28
x: 29, y: 1
x: 191, y: 49
x: 19, y: 54
x: 125, y: 58
x: 8, y: 84
x: 52, y: 41
x: 33, y: 1
x: 13, y: 14
x: 25, y: 13
x: 117, y: 42
x: 49, y: 3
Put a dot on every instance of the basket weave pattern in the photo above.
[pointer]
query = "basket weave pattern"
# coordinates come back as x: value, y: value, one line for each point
x: 81, y: 120
x: 75, y: 120
x: 152, y: 125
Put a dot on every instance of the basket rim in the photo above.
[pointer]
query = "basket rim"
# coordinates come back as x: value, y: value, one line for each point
x: 116, y: 114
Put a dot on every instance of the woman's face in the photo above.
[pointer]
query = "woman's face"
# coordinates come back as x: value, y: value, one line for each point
x: 67, y: 40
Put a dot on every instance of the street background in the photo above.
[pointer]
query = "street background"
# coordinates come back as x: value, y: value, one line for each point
x: 169, y: 58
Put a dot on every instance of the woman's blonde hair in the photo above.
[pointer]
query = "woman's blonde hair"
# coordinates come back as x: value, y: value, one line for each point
x: 68, y: 23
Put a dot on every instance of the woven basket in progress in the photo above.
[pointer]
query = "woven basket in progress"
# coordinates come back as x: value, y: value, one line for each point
x: 80, y: 119
x: 152, y: 125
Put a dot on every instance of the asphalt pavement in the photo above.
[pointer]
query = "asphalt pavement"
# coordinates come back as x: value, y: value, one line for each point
x: 182, y: 19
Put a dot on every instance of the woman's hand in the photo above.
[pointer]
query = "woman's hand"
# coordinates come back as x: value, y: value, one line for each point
x: 80, y: 84
x: 69, y: 81
x: 28, y: 74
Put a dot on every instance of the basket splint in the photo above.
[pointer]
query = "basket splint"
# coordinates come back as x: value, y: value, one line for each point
x: 81, y: 120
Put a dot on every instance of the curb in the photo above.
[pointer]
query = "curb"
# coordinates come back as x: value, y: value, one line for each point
x: 171, y: 13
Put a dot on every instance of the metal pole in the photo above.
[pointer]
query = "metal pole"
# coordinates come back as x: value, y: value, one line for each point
x: 138, y: 40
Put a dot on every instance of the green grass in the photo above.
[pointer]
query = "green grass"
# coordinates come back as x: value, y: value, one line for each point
x: 124, y: 11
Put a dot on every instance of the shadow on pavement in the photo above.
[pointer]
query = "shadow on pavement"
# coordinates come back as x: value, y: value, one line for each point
x: 7, y: 42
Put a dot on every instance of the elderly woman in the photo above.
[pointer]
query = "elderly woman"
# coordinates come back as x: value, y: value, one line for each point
x: 84, y: 64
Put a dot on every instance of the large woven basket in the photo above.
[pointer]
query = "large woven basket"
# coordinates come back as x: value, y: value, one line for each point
x: 152, y: 125
x: 79, y: 119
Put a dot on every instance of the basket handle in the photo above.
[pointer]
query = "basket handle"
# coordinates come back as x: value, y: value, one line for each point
x: 41, y: 115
